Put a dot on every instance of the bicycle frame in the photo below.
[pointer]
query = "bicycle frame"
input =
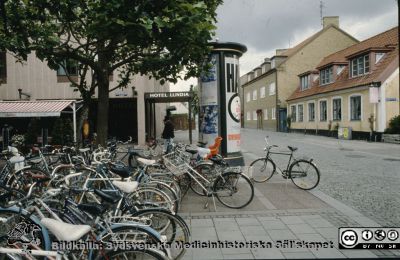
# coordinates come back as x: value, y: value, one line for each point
x: 280, y: 153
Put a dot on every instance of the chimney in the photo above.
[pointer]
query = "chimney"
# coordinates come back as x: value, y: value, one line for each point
x: 330, y: 20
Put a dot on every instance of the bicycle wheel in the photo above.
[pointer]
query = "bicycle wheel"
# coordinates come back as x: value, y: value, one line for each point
x: 262, y: 169
x: 155, y: 197
x: 234, y: 190
x: 304, y: 174
x: 129, y: 234
x: 205, y: 170
x: 167, y: 189
x: 173, y: 227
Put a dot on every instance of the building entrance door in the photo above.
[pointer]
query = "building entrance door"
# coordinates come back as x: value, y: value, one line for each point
x: 282, y: 120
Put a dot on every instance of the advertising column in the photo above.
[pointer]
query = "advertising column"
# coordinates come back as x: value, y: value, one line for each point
x: 220, y: 101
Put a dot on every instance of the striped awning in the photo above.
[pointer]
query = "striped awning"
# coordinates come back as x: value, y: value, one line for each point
x: 42, y: 108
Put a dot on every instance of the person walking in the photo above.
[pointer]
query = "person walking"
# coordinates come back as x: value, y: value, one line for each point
x: 168, y: 134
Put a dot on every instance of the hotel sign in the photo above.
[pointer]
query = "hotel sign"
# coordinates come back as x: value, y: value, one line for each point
x: 167, y: 95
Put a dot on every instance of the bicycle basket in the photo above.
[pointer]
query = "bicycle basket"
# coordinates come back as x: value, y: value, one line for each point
x: 176, y: 163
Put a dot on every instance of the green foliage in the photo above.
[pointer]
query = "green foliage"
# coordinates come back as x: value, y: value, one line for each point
x: 394, y: 126
x: 152, y: 37
x: 32, y: 132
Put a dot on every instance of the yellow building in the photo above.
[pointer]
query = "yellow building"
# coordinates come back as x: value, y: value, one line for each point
x: 356, y: 88
x: 266, y: 88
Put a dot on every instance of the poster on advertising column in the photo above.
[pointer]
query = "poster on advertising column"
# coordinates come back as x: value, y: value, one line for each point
x: 232, y: 104
x: 209, y: 109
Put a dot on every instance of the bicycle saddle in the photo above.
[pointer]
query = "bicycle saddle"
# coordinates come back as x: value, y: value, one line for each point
x: 108, y: 197
x: 191, y: 149
x: 146, y: 161
x: 64, y: 231
x: 92, y: 208
x: 292, y: 148
x: 201, y: 144
x: 126, y: 186
x: 121, y: 170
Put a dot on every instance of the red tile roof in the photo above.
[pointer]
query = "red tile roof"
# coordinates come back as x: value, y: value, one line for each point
x: 387, y: 38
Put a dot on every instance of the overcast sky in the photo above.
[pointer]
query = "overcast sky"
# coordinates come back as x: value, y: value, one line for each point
x: 266, y: 25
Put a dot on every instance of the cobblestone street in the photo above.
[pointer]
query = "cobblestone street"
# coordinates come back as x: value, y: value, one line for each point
x: 362, y: 175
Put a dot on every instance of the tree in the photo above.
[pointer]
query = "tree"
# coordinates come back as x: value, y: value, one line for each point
x: 151, y: 37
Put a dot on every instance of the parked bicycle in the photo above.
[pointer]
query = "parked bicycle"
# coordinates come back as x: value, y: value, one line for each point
x: 303, y: 172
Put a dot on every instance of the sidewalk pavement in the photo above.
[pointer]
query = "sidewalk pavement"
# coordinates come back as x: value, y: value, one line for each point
x: 278, y: 211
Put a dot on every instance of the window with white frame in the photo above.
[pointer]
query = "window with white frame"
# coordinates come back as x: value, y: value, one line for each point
x: 272, y: 89
x: 293, y: 113
x: 337, y: 109
x: 323, y: 111
x: 273, y: 113
x: 311, y: 111
x: 325, y: 76
x: 248, y: 116
x: 254, y: 115
x: 255, y: 73
x: 355, y: 108
x: 360, y: 65
x: 262, y: 92
x: 266, y: 114
x: 262, y: 69
x: 255, y: 94
x: 305, y: 82
x: 300, y: 111
x: 378, y: 56
x: 248, y: 97
x: 248, y: 77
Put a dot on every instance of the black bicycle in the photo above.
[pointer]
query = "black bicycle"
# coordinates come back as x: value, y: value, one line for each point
x: 303, y: 172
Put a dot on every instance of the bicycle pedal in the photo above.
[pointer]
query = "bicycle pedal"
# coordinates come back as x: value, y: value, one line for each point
x: 285, y: 176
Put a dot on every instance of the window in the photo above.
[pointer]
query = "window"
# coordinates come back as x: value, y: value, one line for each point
x: 262, y: 69
x: 325, y: 76
x: 337, y: 109
x: 248, y: 77
x: 273, y: 113
x: 355, y: 108
x: 360, y: 65
x: 305, y: 82
x: 311, y: 111
x: 293, y: 113
x: 255, y: 94
x: 3, y: 67
x: 256, y: 73
x: 300, y: 109
x: 265, y: 114
x: 68, y: 67
x: 248, y: 97
x: 272, y: 89
x: 262, y: 92
x: 378, y: 56
x: 248, y: 116
x: 254, y: 115
x: 322, y: 110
